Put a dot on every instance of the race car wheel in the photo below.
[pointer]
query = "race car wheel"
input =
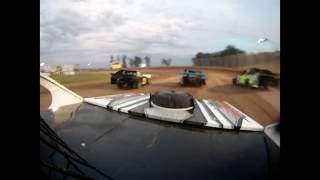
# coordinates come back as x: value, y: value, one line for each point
x: 234, y: 81
x: 199, y: 83
x: 119, y: 85
x: 182, y: 83
x: 264, y: 86
x: 246, y: 83
x: 138, y: 85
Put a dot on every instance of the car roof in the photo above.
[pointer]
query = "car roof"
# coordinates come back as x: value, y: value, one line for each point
x: 191, y: 70
x: 259, y: 70
x: 130, y: 71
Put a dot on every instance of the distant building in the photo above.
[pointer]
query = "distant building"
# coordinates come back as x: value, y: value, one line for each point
x: 65, y: 69
x: 142, y: 65
x: 68, y: 69
x: 48, y: 70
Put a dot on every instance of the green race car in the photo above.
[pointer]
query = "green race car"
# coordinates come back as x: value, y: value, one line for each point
x: 256, y: 78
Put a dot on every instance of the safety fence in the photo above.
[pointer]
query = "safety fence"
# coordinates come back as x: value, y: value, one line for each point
x: 239, y: 60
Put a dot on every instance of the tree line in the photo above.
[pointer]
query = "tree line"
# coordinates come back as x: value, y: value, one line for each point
x: 136, y: 61
x: 228, y: 51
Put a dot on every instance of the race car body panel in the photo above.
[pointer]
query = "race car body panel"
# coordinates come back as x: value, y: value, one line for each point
x: 256, y: 78
x: 129, y: 147
x: 207, y: 112
x: 115, y: 76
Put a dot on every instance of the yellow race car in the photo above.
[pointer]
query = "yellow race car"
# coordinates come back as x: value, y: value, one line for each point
x: 131, y: 79
x: 116, y: 66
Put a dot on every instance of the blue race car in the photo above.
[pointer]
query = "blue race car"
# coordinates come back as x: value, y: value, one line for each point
x: 192, y: 77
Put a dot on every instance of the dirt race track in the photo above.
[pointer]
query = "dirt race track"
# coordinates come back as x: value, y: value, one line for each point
x: 262, y: 105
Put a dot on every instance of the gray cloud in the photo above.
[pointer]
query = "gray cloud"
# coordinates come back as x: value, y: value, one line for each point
x: 81, y: 31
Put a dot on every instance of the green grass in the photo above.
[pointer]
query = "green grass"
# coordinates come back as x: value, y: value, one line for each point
x: 81, y: 77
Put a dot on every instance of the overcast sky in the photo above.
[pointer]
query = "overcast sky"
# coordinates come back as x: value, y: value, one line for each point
x: 83, y: 31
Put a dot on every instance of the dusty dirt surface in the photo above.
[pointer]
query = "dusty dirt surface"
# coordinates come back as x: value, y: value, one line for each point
x: 261, y: 105
x: 45, y: 98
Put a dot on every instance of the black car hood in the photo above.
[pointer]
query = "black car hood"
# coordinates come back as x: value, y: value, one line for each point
x: 127, y: 147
